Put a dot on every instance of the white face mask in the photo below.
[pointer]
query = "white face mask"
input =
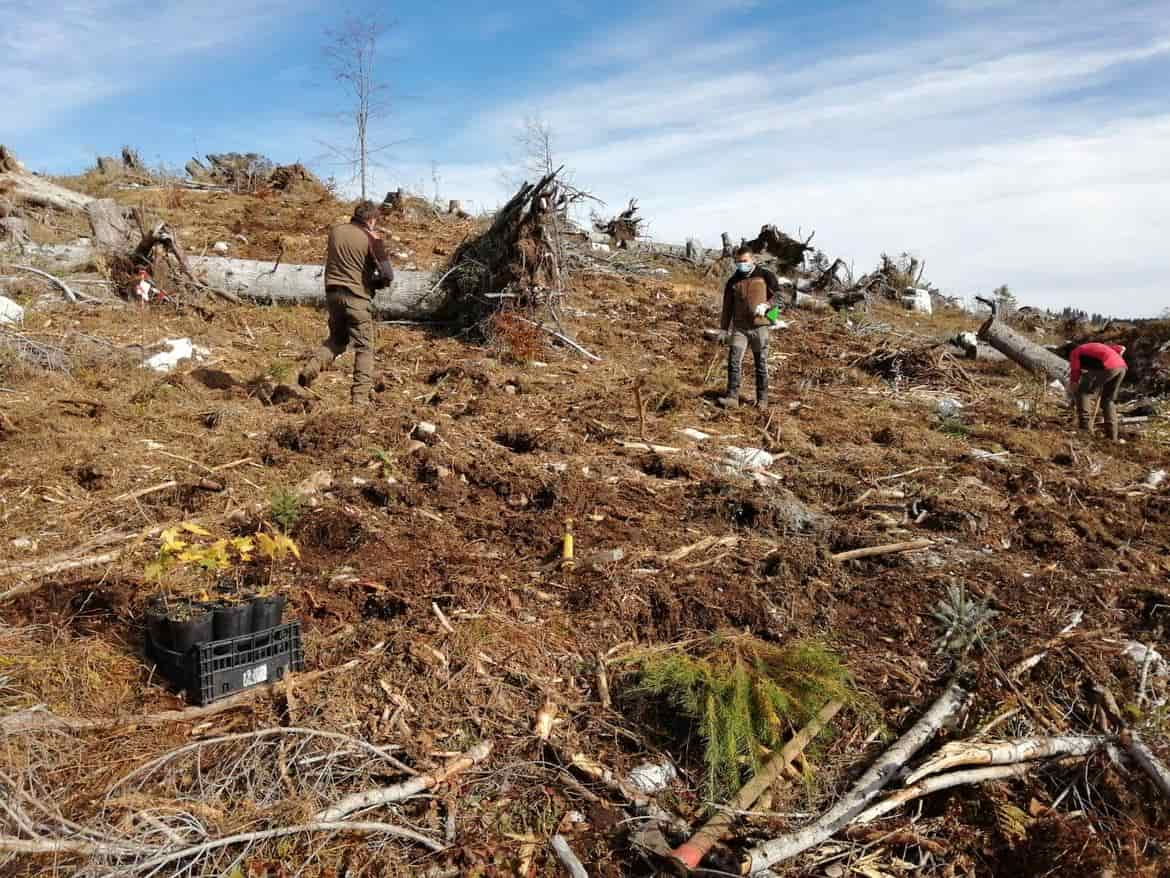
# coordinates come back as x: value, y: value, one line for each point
x: 745, y: 267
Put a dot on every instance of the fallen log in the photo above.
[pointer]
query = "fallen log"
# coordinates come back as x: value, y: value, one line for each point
x: 40, y: 192
x: 941, y: 782
x: 1147, y: 761
x: 569, y: 860
x: 767, y: 854
x: 407, y: 789
x: 1023, y: 351
x: 692, y: 852
x: 413, y: 294
x: 960, y: 753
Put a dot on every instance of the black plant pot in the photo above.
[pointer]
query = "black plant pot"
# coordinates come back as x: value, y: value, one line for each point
x: 156, y: 622
x: 191, y: 631
x: 267, y: 612
x: 230, y: 620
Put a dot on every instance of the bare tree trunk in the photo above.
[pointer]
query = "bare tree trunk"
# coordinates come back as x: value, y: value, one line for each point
x: 726, y: 246
x: 1023, y: 351
x: 40, y: 192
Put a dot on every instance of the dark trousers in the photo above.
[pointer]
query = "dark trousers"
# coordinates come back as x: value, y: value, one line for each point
x: 351, y: 325
x: 1105, y: 382
x: 757, y: 339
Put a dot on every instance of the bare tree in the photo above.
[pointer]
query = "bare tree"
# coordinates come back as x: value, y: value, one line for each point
x: 351, y: 51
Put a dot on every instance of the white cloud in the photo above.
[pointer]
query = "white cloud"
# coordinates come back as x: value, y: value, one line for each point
x: 988, y: 148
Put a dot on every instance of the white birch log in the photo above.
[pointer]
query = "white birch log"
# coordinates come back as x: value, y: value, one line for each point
x: 767, y: 854
x: 941, y: 782
x: 407, y: 789
x: 1006, y: 753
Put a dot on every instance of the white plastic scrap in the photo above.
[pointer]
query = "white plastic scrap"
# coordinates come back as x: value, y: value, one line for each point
x: 745, y: 459
x: 651, y: 778
x: 697, y: 435
x: 1140, y: 654
x: 1154, y: 479
x: 10, y: 311
x: 178, y: 349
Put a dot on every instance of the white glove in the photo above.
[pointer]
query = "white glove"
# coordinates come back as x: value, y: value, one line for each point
x: 724, y: 337
x: 761, y: 309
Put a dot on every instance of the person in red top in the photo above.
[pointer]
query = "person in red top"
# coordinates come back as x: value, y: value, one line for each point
x: 1097, y: 368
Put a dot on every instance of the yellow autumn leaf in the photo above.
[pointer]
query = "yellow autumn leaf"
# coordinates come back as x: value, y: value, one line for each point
x: 193, y: 528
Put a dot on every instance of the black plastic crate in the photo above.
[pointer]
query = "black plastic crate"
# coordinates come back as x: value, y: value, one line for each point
x: 219, y: 668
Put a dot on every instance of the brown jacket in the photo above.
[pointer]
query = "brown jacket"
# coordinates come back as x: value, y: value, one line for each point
x: 740, y: 299
x: 350, y: 257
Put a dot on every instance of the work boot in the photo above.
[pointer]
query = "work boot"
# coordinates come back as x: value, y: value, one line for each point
x: 731, y: 401
x: 762, y: 400
x: 1114, y: 431
x: 309, y: 373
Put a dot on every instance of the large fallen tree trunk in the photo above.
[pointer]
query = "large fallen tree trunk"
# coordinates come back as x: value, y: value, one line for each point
x: 1023, y: 351
x: 413, y: 295
x: 38, y: 191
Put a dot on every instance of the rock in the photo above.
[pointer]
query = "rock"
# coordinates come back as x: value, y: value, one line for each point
x: 948, y: 408
x: 317, y: 483
x: 510, y: 389
x: 10, y: 312
x: 598, y: 560
x: 220, y: 248
x: 738, y: 460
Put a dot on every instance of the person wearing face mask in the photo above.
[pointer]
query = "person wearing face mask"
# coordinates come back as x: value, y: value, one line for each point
x: 748, y: 295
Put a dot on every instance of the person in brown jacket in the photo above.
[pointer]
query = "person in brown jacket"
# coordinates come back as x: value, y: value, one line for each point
x: 355, y: 268
x: 748, y: 295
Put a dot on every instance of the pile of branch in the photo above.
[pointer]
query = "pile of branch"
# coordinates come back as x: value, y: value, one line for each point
x: 899, y: 364
x: 240, y: 172
x: 623, y: 228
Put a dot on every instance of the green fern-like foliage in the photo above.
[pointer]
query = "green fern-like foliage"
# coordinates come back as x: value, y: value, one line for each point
x: 744, y: 695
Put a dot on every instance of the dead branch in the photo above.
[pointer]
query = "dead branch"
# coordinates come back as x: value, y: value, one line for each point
x: 961, y: 753
x: 941, y: 782
x: 692, y: 852
x: 399, y: 792
x: 284, y: 831
x: 767, y: 854
x: 560, y: 846
x: 39, y: 719
x: 279, y: 731
x: 562, y: 337
x: 889, y: 549
x: 70, y: 296
x: 1148, y: 762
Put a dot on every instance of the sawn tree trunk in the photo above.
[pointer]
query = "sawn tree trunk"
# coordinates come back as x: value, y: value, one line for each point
x: 1023, y: 351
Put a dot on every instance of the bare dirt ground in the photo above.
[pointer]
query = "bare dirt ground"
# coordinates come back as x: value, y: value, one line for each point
x: 446, y: 551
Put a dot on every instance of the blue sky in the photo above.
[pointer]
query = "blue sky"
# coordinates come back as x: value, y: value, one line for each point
x: 1018, y: 143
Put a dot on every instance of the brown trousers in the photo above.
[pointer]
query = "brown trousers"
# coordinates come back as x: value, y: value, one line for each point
x: 1105, y: 382
x: 351, y: 325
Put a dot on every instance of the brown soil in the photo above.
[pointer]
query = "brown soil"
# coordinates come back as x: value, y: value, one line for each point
x: 471, y: 523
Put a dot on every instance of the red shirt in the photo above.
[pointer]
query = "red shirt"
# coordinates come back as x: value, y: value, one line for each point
x: 1096, y: 356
